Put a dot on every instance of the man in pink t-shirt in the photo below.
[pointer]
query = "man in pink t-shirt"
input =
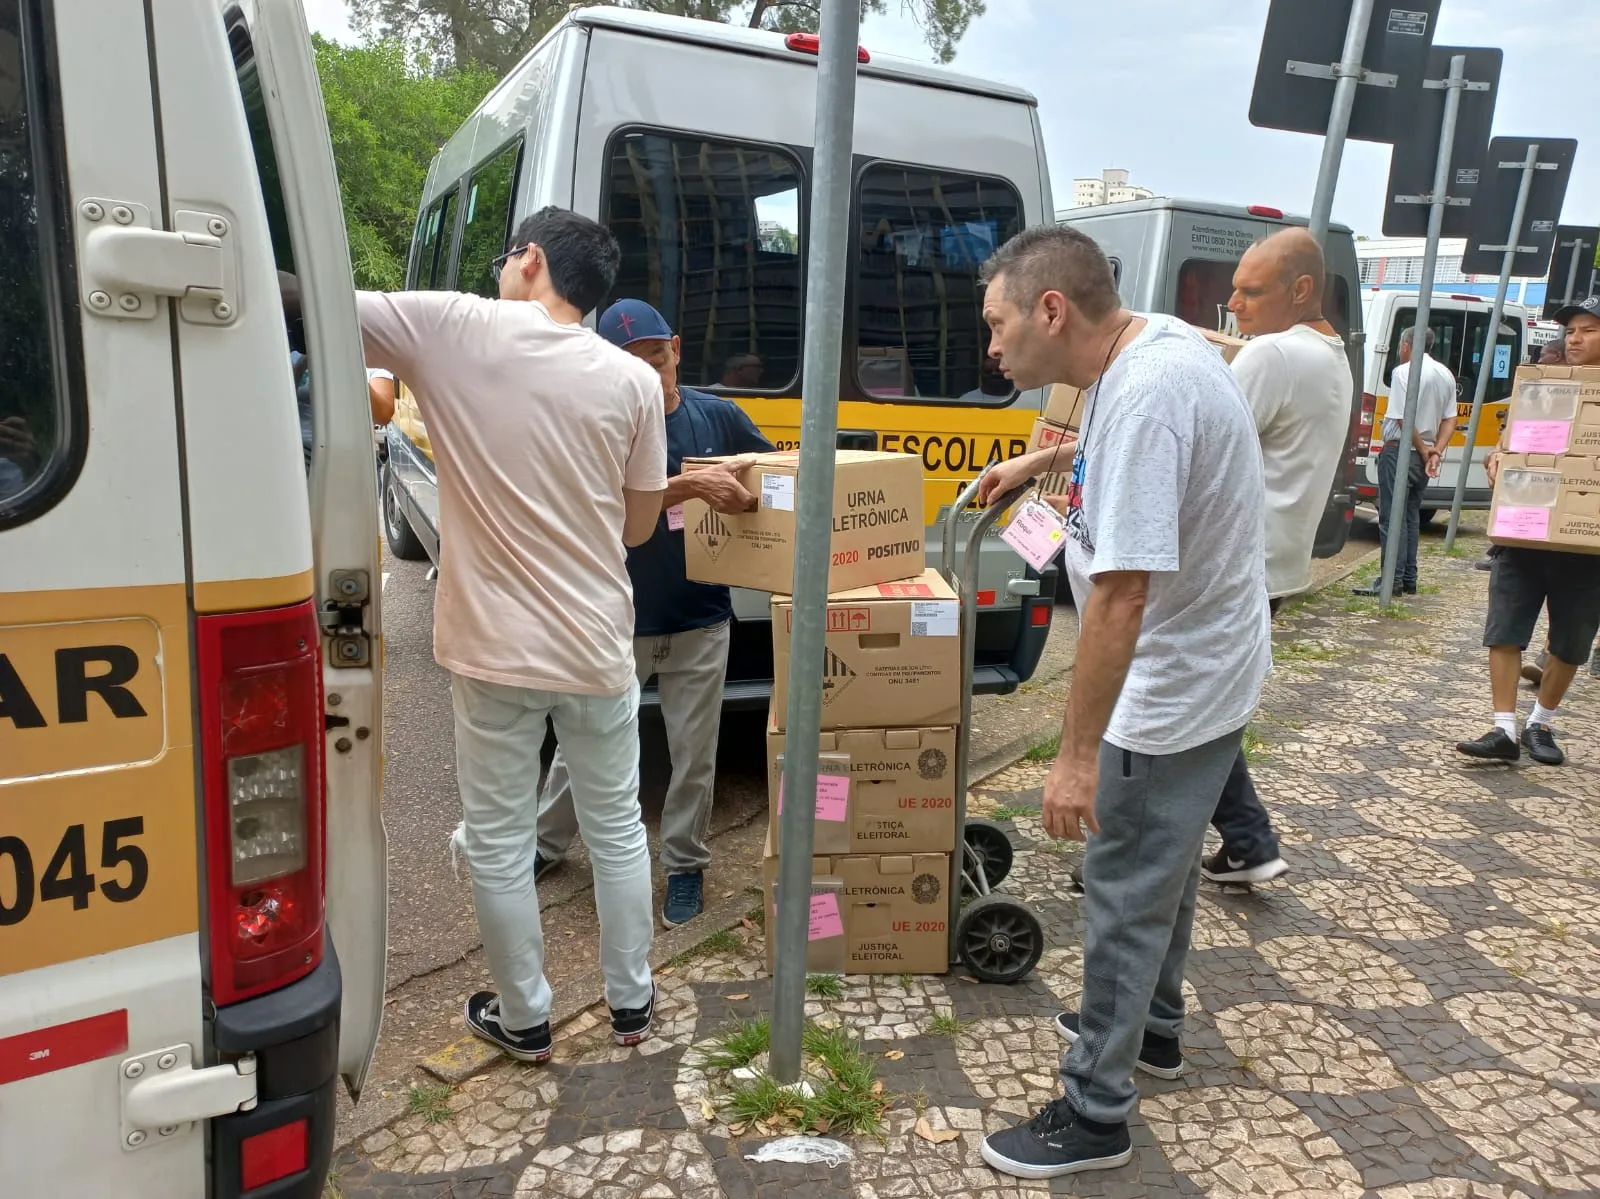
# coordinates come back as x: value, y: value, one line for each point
x: 550, y: 445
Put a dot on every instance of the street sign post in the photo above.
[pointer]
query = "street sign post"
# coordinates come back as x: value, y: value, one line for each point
x: 1407, y: 207
x: 828, y: 261
x: 1541, y: 169
x: 1453, y: 85
x: 1573, y: 273
x: 1341, y: 68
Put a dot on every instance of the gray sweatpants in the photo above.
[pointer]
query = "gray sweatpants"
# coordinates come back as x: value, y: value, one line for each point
x: 1140, y: 874
x: 691, y: 669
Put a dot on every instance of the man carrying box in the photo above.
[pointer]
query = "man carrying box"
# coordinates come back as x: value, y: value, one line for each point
x: 1524, y: 580
x: 1167, y: 559
x: 681, y: 628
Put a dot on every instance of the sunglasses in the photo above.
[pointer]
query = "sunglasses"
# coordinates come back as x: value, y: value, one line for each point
x: 498, y: 262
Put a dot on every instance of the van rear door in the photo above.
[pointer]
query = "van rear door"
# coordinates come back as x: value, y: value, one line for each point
x: 100, y: 948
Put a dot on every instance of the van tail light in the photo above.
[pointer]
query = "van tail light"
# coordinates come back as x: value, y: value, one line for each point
x: 1039, y: 617
x: 1263, y: 210
x: 810, y: 43
x: 261, y: 732
x: 274, y: 1154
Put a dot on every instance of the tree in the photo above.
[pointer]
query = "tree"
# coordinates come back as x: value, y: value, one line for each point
x: 389, y: 111
x: 497, y: 33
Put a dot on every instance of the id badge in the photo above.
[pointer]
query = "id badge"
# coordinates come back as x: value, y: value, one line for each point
x: 675, y: 518
x: 1036, y: 532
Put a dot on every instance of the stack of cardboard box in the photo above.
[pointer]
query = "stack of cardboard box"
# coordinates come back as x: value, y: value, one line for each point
x: 884, y: 816
x: 1547, y: 495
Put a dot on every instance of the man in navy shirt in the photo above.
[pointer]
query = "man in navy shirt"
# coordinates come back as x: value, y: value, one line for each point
x: 681, y: 628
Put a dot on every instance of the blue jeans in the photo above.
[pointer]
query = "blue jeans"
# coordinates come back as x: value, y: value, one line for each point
x: 1140, y: 872
x: 1242, y: 820
x: 1405, y: 570
x: 499, y: 732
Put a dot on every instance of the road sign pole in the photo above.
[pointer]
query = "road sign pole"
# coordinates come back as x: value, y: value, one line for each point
x: 1348, y: 71
x: 1530, y: 166
x: 827, y: 262
x: 1572, y: 271
x: 1439, y: 198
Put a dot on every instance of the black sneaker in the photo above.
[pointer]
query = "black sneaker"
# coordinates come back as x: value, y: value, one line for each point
x: 1054, y: 1143
x: 1540, y: 742
x: 1483, y: 564
x: 685, y: 898
x: 1223, y: 867
x: 1077, y: 877
x: 1161, y: 1056
x: 1370, y: 589
x: 631, y: 1025
x: 543, y: 866
x: 1405, y: 588
x: 483, y: 1018
x: 1493, y: 746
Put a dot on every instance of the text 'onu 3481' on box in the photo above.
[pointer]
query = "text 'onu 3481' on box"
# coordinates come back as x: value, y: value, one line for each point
x: 891, y: 656
x: 877, y: 524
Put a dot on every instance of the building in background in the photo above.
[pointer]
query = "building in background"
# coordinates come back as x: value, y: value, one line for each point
x: 1111, y: 188
x: 1395, y: 264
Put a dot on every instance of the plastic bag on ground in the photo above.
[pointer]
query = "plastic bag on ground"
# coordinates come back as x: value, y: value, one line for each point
x: 807, y: 1151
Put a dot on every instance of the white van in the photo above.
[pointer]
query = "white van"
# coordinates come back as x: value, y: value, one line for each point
x: 192, y: 876
x: 1460, y: 325
x: 1178, y: 257
x: 691, y: 141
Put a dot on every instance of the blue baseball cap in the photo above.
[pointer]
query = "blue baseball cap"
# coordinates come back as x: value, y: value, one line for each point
x: 628, y: 321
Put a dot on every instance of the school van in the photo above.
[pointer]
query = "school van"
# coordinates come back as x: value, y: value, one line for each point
x: 192, y: 867
x: 692, y: 142
x: 1460, y: 325
x: 1178, y: 257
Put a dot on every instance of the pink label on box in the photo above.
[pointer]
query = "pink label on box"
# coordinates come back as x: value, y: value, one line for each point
x: 1036, y: 532
x: 833, y: 797
x: 825, y: 918
x: 1525, y: 524
x: 1540, y: 436
x: 675, y: 518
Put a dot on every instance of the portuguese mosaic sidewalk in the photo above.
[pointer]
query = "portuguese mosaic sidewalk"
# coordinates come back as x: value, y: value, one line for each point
x: 1413, y: 1011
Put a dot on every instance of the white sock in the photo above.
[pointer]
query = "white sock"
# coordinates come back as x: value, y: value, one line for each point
x: 1543, y: 715
x: 1506, y: 722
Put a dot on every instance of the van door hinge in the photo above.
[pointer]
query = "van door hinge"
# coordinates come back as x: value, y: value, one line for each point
x: 344, y: 618
x: 163, y: 1095
x: 126, y: 263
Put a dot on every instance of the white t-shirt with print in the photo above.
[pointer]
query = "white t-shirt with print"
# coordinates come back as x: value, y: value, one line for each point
x: 1167, y: 479
x: 1299, y: 389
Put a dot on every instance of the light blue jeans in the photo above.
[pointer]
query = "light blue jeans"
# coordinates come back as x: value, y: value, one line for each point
x: 499, y: 732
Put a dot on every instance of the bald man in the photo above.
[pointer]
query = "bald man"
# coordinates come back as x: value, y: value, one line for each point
x: 1296, y: 376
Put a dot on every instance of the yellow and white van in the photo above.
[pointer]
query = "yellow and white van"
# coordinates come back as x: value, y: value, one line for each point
x: 691, y: 141
x: 192, y: 889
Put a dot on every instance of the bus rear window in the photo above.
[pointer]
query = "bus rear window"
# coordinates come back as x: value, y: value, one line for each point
x: 1204, y: 289
x: 924, y: 235
x: 43, y: 421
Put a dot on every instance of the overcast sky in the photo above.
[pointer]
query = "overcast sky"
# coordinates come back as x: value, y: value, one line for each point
x: 1162, y: 88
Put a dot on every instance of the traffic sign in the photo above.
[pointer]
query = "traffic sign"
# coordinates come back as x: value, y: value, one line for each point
x: 1571, y: 282
x: 1416, y: 150
x: 1489, y: 219
x: 1300, y: 52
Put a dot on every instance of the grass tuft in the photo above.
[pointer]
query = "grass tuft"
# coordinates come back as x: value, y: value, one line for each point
x: 947, y: 1024
x: 1004, y: 812
x: 850, y: 1103
x: 431, y: 1101
x: 1044, y: 751
x: 1254, y: 747
x: 737, y: 1046
x: 724, y: 940
x: 825, y: 986
x: 1304, y: 651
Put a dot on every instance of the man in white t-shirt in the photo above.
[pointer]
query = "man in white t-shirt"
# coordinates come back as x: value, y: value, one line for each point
x: 1435, y: 424
x: 1167, y: 561
x: 1296, y: 376
x: 551, y: 450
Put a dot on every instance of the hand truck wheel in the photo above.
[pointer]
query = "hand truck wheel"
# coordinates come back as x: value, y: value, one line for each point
x: 999, y: 939
x: 987, y: 842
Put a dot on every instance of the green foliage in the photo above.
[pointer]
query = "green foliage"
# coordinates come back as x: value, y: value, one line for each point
x: 389, y: 112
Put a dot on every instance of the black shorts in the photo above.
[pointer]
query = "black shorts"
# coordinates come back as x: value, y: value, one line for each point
x: 1523, y: 581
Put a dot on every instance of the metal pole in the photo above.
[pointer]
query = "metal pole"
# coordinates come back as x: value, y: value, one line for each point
x: 826, y: 264
x: 1572, y: 269
x: 1430, y: 257
x: 1348, y: 78
x: 1530, y: 166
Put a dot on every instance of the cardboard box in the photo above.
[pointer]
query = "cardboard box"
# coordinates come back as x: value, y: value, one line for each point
x: 892, y: 657
x: 1555, y: 410
x: 1047, y: 435
x: 877, y: 524
x: 902, y: 795
x: 1228, y: 345
x: 872, y: 913
x: 1064, y: 407
x: 1547, y: 502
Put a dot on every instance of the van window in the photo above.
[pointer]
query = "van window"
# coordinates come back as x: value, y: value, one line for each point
x: 43, y: 421
x: 712, y: 237
x: 1458, y: 340
x: 1336, y: 304
x: 255, y: 119
x: 924, y: 235
x: 488, y: 225
x: 433, y: 244
x: 1204, y: 289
